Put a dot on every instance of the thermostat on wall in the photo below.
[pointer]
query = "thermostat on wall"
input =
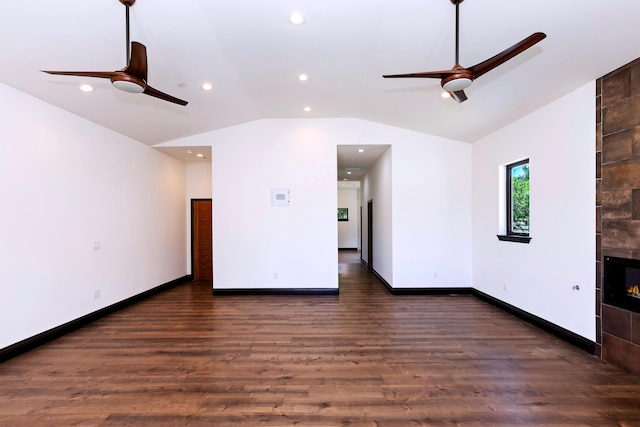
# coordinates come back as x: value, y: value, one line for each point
x: 280, y: 197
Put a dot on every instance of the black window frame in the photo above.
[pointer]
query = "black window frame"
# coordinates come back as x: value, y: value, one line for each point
x: 510, y: 235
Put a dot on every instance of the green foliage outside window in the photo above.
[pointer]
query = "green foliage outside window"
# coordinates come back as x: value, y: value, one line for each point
x: 519, y: 199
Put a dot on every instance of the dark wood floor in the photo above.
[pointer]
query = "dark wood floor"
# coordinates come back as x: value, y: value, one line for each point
x: 365, y: 358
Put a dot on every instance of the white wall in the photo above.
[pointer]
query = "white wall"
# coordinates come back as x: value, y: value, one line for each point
x: 431, y: 213
x: 348, y: 230
x: 255, y: 244
x: 422, y: 212
x: 66, y: 183
x: 198, y: 187
x: 559, y: 141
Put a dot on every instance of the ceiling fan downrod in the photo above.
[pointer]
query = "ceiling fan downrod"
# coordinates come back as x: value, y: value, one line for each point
x: 127, y: 4
x: 457, y: 3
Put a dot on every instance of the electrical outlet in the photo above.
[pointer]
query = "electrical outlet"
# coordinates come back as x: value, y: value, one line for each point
x: 96, y: 293
x: 96, y: 245
x: 504, y: 286
x: 435, y: 274
x: 275, y: 275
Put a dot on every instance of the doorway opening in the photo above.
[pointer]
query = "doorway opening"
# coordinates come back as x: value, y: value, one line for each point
x: 366, y: 168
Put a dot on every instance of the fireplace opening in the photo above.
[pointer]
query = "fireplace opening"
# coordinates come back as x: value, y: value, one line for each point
x: 622, y: 283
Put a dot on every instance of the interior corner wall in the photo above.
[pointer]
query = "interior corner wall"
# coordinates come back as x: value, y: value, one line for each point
x: 198, y: 187
x: 69, y: 185
x: 540, y: 277
x: 348, y: 230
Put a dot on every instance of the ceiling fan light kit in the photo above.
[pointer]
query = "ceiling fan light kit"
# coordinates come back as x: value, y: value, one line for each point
x: 127, y: 86
x: 458, y: 78
x: 133, y: 77
x: 456, y: 84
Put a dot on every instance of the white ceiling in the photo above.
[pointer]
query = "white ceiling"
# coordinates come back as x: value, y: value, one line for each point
x: 252, y: 56
x: 351, y: 159
x: 188, y: 154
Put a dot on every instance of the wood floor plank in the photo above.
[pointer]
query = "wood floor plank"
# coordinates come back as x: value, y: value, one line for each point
x: 363, y: 358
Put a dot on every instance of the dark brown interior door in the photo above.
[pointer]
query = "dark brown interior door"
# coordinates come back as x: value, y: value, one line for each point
x: 361, y: 255
x: 370, y: 234
x: 201, y: 240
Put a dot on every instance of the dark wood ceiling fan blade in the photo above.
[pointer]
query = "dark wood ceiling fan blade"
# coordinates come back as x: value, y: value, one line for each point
x: 98, y: 74
x: 459, y: 96
x: 161, y: 95
x: 505, y: 55
x: 425, y: 75
x: 138, y: 61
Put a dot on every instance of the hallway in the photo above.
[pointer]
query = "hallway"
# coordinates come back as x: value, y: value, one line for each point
x: 363, y: 358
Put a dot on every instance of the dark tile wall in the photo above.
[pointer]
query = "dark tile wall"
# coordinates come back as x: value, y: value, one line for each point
x: 617, y: 206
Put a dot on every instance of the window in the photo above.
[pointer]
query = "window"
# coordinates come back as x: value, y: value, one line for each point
x: 517, y: 202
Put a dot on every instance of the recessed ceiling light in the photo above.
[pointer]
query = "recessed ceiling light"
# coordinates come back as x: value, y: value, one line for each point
x: 344, y: 179
x: 86, y: 88
x: 307, y: 109
x: 296, y: 18
x: 349, y: 173
x: 303, y: 77
x: 445, y: 95
x: 207, y: 86
x: 189, y: 152
x: 200, y: 155
x: 361, y: 150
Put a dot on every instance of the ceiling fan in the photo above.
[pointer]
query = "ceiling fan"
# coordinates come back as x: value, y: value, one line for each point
x: 133, y: 77
x: 455, y: 80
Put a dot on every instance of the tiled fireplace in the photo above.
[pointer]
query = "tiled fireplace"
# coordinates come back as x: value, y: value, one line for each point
x: 618, y: 216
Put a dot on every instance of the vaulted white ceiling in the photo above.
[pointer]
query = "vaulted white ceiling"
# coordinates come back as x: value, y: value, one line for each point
x: 252, y: 55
